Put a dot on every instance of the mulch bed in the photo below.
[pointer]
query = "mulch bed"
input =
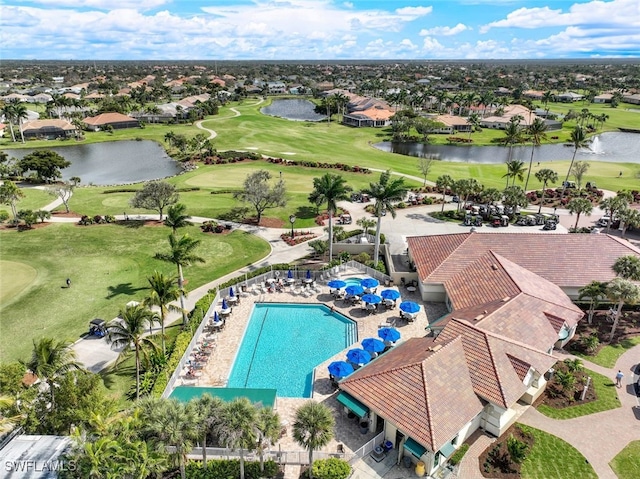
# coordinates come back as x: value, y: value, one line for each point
x: 556, y: 398
x: 628, y: 327
x: 490, y: 461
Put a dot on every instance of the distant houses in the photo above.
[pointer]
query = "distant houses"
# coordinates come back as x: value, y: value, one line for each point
x: 48, y: 129
x: 117, y: 121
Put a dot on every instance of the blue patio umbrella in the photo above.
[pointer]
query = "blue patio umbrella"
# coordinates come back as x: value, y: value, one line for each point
x: 340, y: 369
x: 391, y: 294
x: 371, y: 298
x: 373, y: 345
x: 290, y: 274
x: 224, y: 304
x: 336, y: 284
x: 389, y: 334
x: 369, y: 283
x: 216, y: 318
x: 409, y: 307
x: 354, y: 290
x: 358, y: 356
x: 308, y: 274
x: 231, y: 292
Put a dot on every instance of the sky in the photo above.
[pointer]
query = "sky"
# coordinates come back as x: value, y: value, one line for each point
x: 318, y: 29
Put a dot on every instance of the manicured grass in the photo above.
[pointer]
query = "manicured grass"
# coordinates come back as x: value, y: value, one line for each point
x: 553, y: 458
x: 13, y: 284
x: 626, y: 115
x: 607, y: 399
x: 34, y: 199
x: 108, y: 266
x: 609, y: 354
x: 626, y: 464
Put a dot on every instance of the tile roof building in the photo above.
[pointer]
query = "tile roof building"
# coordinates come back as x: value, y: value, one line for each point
x: 49, y: 129
x: 115, y: 120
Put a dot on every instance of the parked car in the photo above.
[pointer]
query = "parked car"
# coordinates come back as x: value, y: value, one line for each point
x: 603, y: 222
x: 549, y: 225
x: 455, y: 199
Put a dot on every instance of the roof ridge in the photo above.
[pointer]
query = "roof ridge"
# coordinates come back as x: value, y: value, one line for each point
x: 494, y: 365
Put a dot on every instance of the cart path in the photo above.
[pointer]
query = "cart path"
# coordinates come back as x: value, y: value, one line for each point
x: 212, y: 133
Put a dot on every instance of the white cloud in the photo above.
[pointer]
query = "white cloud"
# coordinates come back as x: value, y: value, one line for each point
x: 415, y: 12
x: 444, y: 31
x: 103, y: 4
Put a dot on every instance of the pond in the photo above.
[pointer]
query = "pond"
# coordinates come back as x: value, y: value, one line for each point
x: 293, y: 109
x: 612, y: 146
x: 114, y: 162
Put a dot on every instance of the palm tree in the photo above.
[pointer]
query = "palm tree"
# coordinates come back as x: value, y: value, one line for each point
x: 313, y: 427
x: 579, y: 206
x: 536, y: 132
x: 614, y: 205
x: 474, y: 121
x: 547, y: 96
x: 268, y: 427
x: 209, y: 409
x: 19, y: 114
x: 444, y: 182
x: 7, y: 422
x: 385, y: 193
x: 578, y: 140
x: 237, y: 428
x: 127, y: 331
x: 51, y: 359
x: 330, y: 189
x: 595, y: 291
x: 176, y: 217
x: 621, y: 291
x: 181, y: 254
x: 8, y: 112
x: 545, y: 176
x: 515, y: 169
x: 627, y: 267
x: 512, y: 134
x: 164, y: 291
x: 628, y: 217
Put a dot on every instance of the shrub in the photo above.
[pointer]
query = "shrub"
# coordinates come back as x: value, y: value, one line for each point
x: 109, y: 218
x: 4, y: 216
x: 459, y: 454
x: 97, y: 219
x: 224, y: 469
x: 517, y: 449
x: 28, y: 216
x: 332, y: 468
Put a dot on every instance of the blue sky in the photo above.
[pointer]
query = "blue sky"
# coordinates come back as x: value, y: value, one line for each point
x: 317, y: 29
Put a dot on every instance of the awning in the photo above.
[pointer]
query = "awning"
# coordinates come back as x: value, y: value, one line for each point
x: 352, y: 404
x: 414, y: 448
x: 447, y: 449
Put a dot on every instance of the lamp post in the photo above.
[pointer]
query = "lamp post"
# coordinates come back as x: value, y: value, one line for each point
x: 292, y: 219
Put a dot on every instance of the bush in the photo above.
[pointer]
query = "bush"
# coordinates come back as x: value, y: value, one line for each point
x: 332, y: 468
x: 517, y: 449
x: 4, y: 216
x: 229, y: 469
x: 459, y: 454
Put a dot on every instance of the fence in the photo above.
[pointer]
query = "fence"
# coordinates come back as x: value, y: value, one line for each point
x: 367, y: 448
x: 280, y: 457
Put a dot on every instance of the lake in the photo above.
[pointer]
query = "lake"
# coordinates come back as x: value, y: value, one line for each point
x: 293, y: 109
x: 611, y: 146
x: 114, y: 162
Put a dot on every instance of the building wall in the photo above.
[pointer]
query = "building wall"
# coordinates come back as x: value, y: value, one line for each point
x: 496, y: 420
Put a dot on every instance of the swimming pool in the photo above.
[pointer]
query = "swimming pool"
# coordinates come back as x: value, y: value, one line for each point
x: 283, y: 343
x: 352, y: 281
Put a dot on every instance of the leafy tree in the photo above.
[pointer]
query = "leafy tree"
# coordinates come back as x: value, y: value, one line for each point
x: 578, y: 140
x: 578, y: 171
x: 319, y: 247
x: 515, y: 196
x: 537, y: 133
x: 10, y: 194
x: 313, y: 427
x: 424, y: 166
x: 75, y: 181
x: 621, y: 291
x: 595, y: 291
x: 614, y: 205
x: 515, y: 169
x: 366, y: 223
x: 177, y: 217
x: 45, y: 163
x: 257, y: 192
x: 385, y: 193
x: 591, y: 343
x: 181, y: 254
x: 329, y: 189
x: 466, y: 187
x: 163, y: 291
x: 127, y: 331
x: 11, y: 375
x: 7, y: 423
x: 444, y: 182
x: 517, y: 449
x: 268, y: 428
x: 28, y: 216
x: 579, y: 206
x: 155, y: 195
x: 545, y: 176
x: 629, y: 217
x: 627, y: 267
x: 43, y: 215
x: 62, y: 191
x: 238, y: 427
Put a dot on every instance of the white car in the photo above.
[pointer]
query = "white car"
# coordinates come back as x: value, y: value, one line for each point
x: 603, y: 222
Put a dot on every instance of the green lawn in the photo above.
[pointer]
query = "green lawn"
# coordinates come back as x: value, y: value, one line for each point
x: 626, y: 464
x: 553, y: 458
x: 607, y: 399
x: 609, y: 354
x: 34, y: 199
x: 108, y: 266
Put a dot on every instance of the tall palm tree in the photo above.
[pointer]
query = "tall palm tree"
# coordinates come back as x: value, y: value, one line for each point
x: 51, y: 359
x: 209, y: 409
x: 8, y: 112
x: 621, y: 291
x: 579, y: 206
x: 330, y: 189
x: 545, y: 176
x: 19, y: 114
x: 177, y: 217
x: 613, y: 205
x: 181, y: 254
x: 627, y: 267
x: 512, y: 134
x: 444, y: 182
x: 474, y: 121
x: 515, y: 169
x: 313, y: 427
x: 237, y: 428
x: 537, y: 133
x: 127, y: 331
x: 384, y: 194
x: 628, y: 217
x: 163, y: 291
x: 578, y: 140
x: 547, y: 96
x: 268, y: 427
x: 595, y: 291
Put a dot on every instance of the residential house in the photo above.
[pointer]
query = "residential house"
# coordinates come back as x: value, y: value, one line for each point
x: 569, y: 97
x: 276, y: 87
x: 633, y: 99
x: 115, y: 120
x: 533, y: 94
x: 452, y: 124
x: 501, y: 122
x: 48, y: 129
x: 603, y: 98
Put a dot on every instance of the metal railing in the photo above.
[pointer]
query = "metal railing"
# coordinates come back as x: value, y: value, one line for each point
x: 280, y: 457
x: 366, y: 270
x: 367, y: 448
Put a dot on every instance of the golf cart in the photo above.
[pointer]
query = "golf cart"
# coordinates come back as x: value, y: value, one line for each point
x: 468, y: 219
x: 549, y: 225
x: 97, y: 327
x: 344, y: 219
x: 495, y: 221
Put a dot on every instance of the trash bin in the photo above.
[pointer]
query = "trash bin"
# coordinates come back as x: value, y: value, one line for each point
x: 420, y: 470
x: 406, y: 462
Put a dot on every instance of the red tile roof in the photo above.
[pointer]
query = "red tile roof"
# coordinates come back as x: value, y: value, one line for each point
x: 108, y: 118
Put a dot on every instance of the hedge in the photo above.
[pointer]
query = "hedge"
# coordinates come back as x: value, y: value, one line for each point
x: 459, y: 454
x: 230, y: 469
x: 332, y: 468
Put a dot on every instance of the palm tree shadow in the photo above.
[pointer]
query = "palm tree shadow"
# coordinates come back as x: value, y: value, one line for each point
x: 306, y: 212
x: 134, y: 224
x: 111, y: 374
x: 125, y: 289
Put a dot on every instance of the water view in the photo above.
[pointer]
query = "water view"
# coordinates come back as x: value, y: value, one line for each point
x: 113, y: 163
x: 612, y: 146
x: 293, y: 109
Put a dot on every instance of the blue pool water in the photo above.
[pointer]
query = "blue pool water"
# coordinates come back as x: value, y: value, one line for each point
x: 284, y: 342
x: 352, y: 281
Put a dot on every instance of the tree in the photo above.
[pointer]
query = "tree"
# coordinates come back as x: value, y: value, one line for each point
x: 466, y: 187
x: 210, y: 410
x: 127, y: 331
x: 155, y: 195
x: 256, y: 191
x: 313, y: 427
x: 578, y: 140
x: 627, y: 267
x: 595, y: 291
x: 424, y: 165
x: 238, y: 427
x: 579, y: 170
x: 8, y: 112
x: 545, y: 176
x: 62, y: 191
x: 515, y: 169
x: 614, y: 205
x: 329, y: 189
x: 163, y: 291
x: 629, y: 217
x: 384, y: 194
x: 444, y: 182
x: 268, y: 428
x: 537, y: 133
x: 579, y: 206
x: 177, y: 217
x: 490, y: 196
x: 621, y: 291
x: 51, y: 359
x: 45, y: 163
x: 181, y: 254
x: 512, y: 134
x: 515, y: 196
x: 473, y: 120
x: 29, y: 217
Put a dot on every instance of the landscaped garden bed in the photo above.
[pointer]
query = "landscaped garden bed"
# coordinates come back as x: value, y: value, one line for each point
x: 503, y: 460
x: 298, y: 237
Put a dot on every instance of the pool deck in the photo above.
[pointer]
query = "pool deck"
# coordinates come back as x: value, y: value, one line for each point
x: 347, y: 433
